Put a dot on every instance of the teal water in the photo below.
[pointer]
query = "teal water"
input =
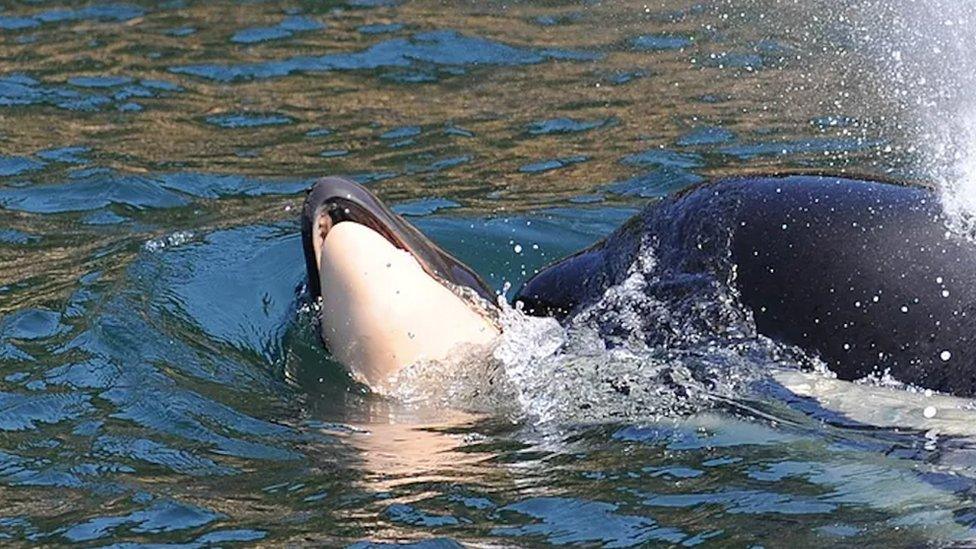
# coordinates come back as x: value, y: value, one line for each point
x: 160, y: 379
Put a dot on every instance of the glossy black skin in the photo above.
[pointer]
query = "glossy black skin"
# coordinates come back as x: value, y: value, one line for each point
x: 346, y: 201
x: 823, y: 263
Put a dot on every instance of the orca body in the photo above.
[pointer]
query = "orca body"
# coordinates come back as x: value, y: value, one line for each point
x: 864, y: 274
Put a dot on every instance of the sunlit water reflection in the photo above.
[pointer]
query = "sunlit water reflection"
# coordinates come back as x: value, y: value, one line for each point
x: 161, y: 381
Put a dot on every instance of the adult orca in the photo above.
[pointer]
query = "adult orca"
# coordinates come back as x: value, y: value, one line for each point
x: 390, y: 296
x: 864, y: 274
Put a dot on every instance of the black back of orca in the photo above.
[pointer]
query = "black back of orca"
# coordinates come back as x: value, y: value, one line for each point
x: 864, y: 274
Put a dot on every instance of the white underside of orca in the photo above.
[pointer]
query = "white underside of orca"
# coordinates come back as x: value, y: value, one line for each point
x: 886, y: 407
x: 381, y: 311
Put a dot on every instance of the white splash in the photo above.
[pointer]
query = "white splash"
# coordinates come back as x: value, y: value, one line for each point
x: 959, y: 184
x: 178, y: 238
x: 906, y: 70
x: 925, y: 65
x: 546, y: 372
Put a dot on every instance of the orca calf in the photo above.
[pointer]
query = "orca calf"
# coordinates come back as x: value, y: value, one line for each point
x: 390, y: 296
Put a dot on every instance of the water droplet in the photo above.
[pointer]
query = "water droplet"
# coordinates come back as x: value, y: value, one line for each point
x: 945, y: 356
x: 929, y: 412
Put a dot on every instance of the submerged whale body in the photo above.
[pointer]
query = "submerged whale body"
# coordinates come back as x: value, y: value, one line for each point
x: 863, y: 274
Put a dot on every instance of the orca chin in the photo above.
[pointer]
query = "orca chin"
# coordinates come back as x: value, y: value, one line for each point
x: 389, y: 296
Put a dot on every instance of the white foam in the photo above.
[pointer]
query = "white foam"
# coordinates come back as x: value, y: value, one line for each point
x: 599, y: 366
x: 178, y: 238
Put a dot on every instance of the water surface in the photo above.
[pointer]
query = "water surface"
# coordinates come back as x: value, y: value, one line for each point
x: 161, y: 380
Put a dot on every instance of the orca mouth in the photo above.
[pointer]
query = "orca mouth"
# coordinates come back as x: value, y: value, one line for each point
x: 334, y: 200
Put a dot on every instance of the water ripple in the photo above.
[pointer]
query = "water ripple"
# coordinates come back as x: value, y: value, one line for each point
x: 565, y: 521
x: 104, y: 12
x: 442, y: 48
x: 285, y: 29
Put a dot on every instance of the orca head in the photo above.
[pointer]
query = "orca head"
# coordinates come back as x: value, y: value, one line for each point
x: 390, y: 297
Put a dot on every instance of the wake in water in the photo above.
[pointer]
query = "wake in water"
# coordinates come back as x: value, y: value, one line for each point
x: 643, y: 351
x: 663, y: 344
x: 547, y: 373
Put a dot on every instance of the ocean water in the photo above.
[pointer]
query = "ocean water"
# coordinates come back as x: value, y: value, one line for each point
x: 160, y: 378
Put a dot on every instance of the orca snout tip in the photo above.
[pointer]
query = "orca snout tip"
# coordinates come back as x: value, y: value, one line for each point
x: 333, y: 185
x: 326, y: 190
x: 343, y: 200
